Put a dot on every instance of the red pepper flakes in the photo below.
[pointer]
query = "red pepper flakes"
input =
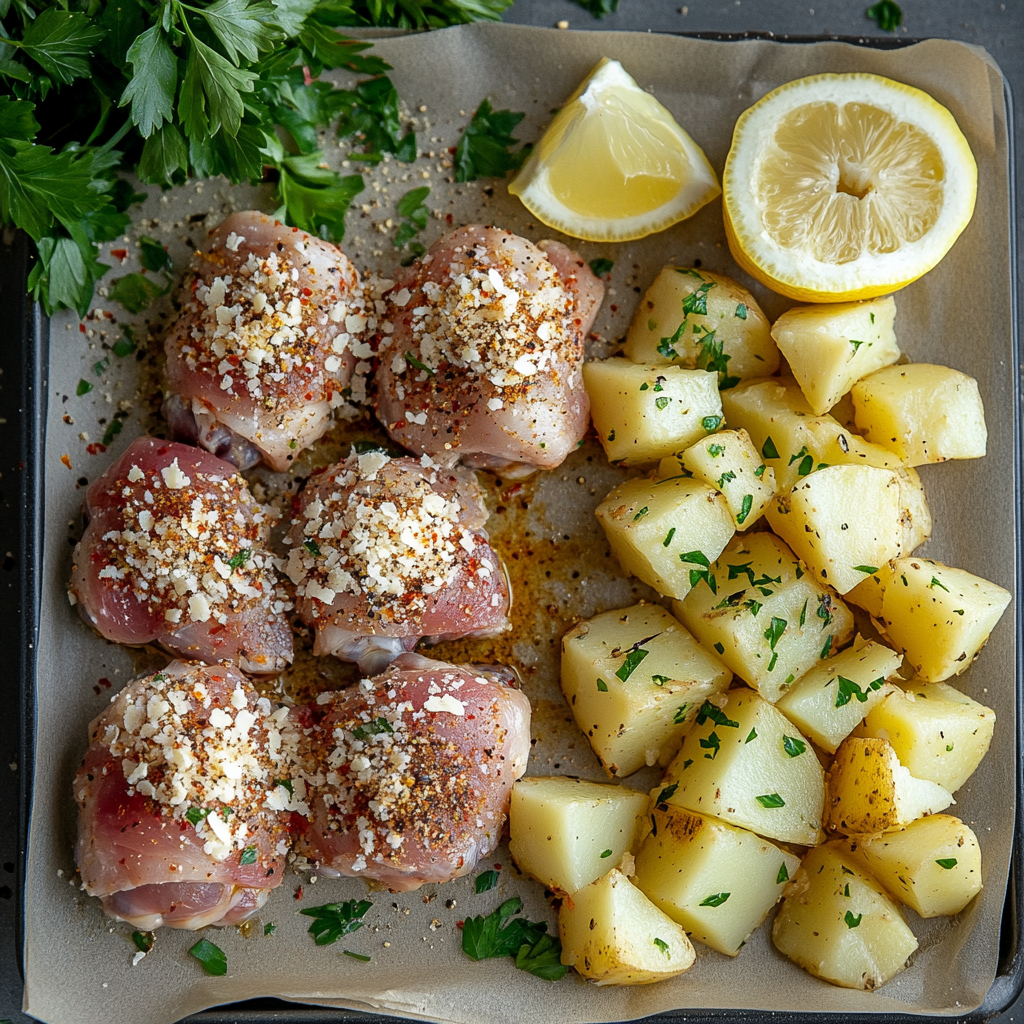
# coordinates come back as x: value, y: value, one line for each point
x: 119, y: 254
x: 298, y: 893
x: 95, y: 449
x: 66, y: 460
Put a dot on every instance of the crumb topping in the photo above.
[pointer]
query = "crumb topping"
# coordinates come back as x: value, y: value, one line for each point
x: 208, y: 754
x: 390, y: 770
x: 263, y: 323
x: 493, y: 318
x: 386, y: 530
x: 191, y: 547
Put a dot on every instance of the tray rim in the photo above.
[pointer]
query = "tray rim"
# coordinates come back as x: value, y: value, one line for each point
x: 26, y: 354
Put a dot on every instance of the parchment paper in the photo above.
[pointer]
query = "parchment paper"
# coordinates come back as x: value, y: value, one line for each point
x: 79, y: 965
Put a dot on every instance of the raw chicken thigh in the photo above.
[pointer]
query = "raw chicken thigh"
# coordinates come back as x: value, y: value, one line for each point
x: 486, y: 352
x: 387, y: 551
x: 261, y: 352
x: 182, y: 821
x: 175, y: 551
x: 412, y: 771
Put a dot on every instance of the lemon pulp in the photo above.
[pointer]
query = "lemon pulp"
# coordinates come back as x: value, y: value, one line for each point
x: 838, y: 181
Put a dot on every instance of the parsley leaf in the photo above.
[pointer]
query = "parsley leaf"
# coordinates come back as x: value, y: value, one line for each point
x: 715, y: 900
x: 542, y: 959
x: 485, y: 148
x: 769, y: 800
x: 886, y: 14
x: 154, y: 81
x: 59, y: 42
x: 332, y: 920
x: 485, y: 881
x: 317, y: 199
x: 213, y: 958
x: 601, y: 266
x: 136, y: 291
x: 412, y: 207
x: 598, y: 8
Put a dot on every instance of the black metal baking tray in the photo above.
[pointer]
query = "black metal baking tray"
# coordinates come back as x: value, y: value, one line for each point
x: 24, y: 362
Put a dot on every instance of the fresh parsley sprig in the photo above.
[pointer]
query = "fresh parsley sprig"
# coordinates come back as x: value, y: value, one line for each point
x: 501, y: 933
x: 173, y: 89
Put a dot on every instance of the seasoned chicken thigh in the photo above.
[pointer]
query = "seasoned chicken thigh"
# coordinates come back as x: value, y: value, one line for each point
x: 387, y: 551
x: 411, y: 772
x: 175, y: 551
x: 486, y: 352
x: 263, y: 347
x: 182, y: 820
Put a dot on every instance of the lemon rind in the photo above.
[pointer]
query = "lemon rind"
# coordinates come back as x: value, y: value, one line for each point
x: 870, y: 275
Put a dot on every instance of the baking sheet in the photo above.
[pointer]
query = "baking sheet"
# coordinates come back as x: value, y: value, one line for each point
x: 78, y: 965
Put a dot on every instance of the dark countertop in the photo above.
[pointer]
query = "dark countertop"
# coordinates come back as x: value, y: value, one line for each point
x: 997, y: 26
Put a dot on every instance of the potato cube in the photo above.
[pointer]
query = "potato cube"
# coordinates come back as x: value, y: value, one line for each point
x: 746, y: 763
x: 716, y: 880
x: 830, y: 701
x: 933, y: 865
x: 567, y: 832
x: 665, y: 531
x: 868, y: 595
x: 839, y: 924
x: 729, y: 462
x: 694, y: 318
x: 915, y: 516
x: 767, y: 618
x: 938, y: 616
x: 613, y: 934
x: 939, y: 733
x: 830, y: 347
x: 791, y: 439
x: 642, y: 412
x: 923, y: 413
x: 843, y: 521
x: 634, y: 679
x: 869, y: 791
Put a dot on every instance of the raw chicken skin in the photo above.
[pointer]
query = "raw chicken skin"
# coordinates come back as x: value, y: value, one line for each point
x: 412, y: 772
x: 263, y: 347
x: 485, y: 361
x: 387, y: 551
x: 175, y: 551
x: 181, y: 819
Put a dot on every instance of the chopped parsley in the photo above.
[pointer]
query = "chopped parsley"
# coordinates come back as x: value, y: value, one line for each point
x: 332, y: 920
x: 803, y: 614
x: 696, y: 575
x: 866, y: 568
x: 697, y: 302
x: 416, y: 214
x: 773, y: 634
x: 357, y: 956
x: 752, y: 735
x: 710, y: 423
x: 826, y: 649
x: 661, y: 801
x: 601, y: 266
x: 768, y: 449
x: 947, y: 862
x: 632, y: 661
x: 720, y: 648
x: 725, y: 478
x: 485, y: 881
x: 741, y: 311
x: 888, y: 16
x: 770, y: 800
x: 605, y: 854
x: 663, y: 946
x: 312, y: 547
x: 269, y: 928
x: 793, y: 746
x: 745, y: 506
x: 194, y: 815
x: 248, y: 855
x: 852, y: 920
x: 712, y: 743
x: 716, y: 715
x: 712, y: 357
x: 498, y: 934
x: 375, y: 727
x: 856, y: 344
x: 237, y: 560
x: 681, y: 712
x: 848, y: 689
x: 641, y: 513
x: 937, y: 583
x: 783, y: 875
x: 144, y: 940
x: 485, y: 149
x: 602, y: 685
x: 212, y: 957
x: 660, y: 680
x: 714, y: 450
x: 285, y: 784
x: 662, y: 402
x: 668, y: 537
x: 417, y: 364
x: 714, y: 900
x: 84, y: 387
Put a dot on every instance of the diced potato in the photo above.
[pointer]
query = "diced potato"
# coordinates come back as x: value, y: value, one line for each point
x: 643, y: 412
x: 939, y: 733
x: 663, y: 531
x: 729, y: 462
x: 566, y: 832
x: 695, y: 318
x: 933, y: 865
x: 915, y: 516
x: 745, y: 762
x: 868, y: 595
x: 716, y: 880
x: 843, y: 521
x: 924, y: 413
x: 869, y: 791
x: 830, y: 701
x: 791, y: 439
x: 838, y: 923
x: 613, y: 934
x: 830, y: 347
x: 634, y: 679
x: 768, y: 619
x: 938, y: 616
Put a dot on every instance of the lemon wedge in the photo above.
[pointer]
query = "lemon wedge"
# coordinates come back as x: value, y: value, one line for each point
x: 842, y: 187
x: 614, y: 165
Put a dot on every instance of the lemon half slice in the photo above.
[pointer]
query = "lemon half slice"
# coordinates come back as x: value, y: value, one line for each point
x: 841, y: 187
x: 614, y: 165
